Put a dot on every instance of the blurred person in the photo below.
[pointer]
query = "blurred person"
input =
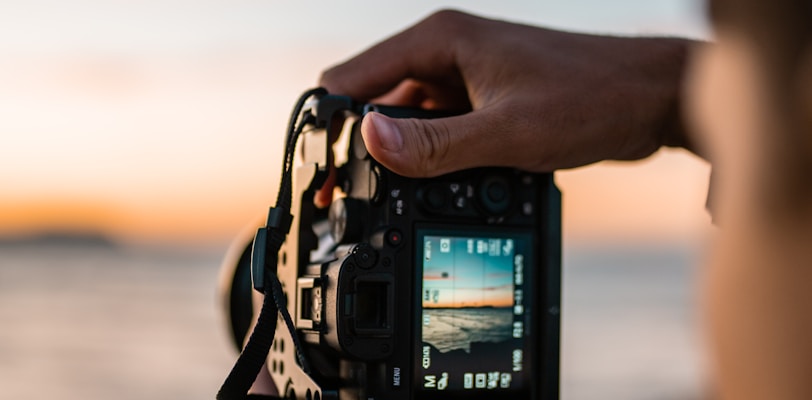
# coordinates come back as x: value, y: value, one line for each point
x: 751, y: 101
x: 543, y: 100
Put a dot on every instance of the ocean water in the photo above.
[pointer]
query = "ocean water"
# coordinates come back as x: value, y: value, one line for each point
x: 92, y: 322
x: 630, y: 324
x: 455, y: 329
x: 89, y: 322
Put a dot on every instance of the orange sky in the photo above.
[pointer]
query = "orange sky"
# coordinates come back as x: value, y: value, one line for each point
x: 657, y: 199
x: 156, y: 124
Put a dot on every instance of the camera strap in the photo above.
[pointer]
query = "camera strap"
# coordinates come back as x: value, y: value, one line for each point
x: 264, y: 258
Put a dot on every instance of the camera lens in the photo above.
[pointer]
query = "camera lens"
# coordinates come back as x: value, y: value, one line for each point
x: 495, y: 194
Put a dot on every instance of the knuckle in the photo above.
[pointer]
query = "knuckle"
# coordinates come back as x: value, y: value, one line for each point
x: 329, y: 79
x: 449, y: 22
x: 445, y: 17
x: 326, y: 75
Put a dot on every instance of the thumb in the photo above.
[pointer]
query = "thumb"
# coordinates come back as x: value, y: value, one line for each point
x: 419, y: 147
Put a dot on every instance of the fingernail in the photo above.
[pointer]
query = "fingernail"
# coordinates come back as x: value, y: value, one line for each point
x: 388, y: 133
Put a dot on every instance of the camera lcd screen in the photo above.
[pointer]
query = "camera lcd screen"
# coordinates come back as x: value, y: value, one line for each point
x: 473, y: 312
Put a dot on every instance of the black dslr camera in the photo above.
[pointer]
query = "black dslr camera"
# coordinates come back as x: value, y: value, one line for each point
x: 438, y: 288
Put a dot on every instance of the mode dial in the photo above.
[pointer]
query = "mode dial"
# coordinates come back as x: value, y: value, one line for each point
x: 345, y: 218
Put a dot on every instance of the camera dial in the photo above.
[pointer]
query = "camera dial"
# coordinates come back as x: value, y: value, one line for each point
x: 345, y: 218
x: 495, y: 194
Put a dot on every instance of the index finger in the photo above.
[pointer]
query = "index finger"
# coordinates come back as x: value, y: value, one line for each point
x: 427, y: 51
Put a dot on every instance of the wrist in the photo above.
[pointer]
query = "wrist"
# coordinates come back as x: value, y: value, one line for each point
x: 674, y: 131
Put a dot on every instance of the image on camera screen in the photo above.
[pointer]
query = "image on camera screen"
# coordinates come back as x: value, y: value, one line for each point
x: 473, y: 316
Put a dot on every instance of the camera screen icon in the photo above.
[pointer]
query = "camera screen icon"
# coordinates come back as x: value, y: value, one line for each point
x: 445, y: 245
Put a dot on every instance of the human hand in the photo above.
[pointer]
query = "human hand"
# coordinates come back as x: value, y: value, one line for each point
x: 540, y: 99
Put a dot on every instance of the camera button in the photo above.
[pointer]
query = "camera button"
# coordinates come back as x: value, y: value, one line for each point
x: 494, y: 194
x: 394, y: 237
x: 435, y: 197
x: 399, y: 207
x: 364, y: 255
x: 460, y: 202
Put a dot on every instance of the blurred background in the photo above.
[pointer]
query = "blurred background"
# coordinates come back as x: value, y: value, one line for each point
x: 137, y: 139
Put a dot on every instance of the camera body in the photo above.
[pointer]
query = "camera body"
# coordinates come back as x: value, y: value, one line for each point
x: 445, y: 287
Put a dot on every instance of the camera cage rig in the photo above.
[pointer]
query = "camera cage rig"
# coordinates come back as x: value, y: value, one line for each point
x: 277, y: 261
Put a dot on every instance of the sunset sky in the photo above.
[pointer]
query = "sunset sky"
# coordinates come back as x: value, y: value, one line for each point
x: 160, y: 121
x: 460, y: 274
